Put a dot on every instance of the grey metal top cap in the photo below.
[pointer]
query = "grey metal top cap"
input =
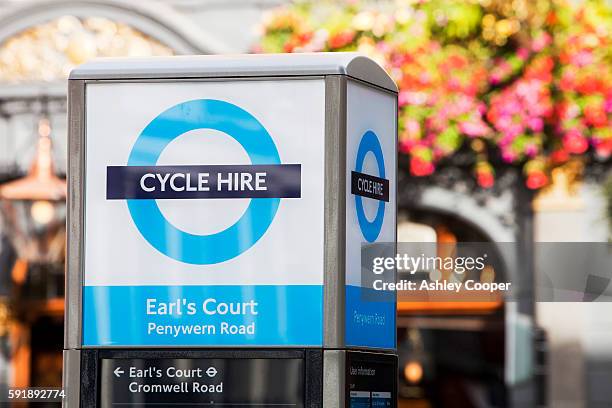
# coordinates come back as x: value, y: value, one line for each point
x: 226, y: 66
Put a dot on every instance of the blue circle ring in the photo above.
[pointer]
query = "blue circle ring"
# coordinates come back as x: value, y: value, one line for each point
x: 370, y: 143
x: 250, y: 227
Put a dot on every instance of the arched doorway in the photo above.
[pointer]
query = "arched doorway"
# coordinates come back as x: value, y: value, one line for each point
x: 464, y: 354
x: 451, y: 353
x: 153, y: 19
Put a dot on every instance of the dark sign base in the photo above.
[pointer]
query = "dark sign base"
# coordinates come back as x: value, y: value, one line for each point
x: 291, y: 378
x: 370, y: 380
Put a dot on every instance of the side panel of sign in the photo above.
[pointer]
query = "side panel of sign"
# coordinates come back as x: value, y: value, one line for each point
x: 204, y: 213
x: 370, y: 210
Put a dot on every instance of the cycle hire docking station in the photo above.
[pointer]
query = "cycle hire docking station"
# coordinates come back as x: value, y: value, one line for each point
x: 217, y: 210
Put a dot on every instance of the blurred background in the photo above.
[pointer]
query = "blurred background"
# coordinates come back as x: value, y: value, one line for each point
x: 505, y: 136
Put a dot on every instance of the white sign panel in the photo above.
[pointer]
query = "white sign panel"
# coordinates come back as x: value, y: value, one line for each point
x: 370, y: 209
x: 204, y: 213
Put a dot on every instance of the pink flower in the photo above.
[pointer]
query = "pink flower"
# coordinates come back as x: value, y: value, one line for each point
x: 474, y: 128
x: 504, y: 122
x: 384, y: 47
x: 402, y: 99
x: 439, y: 153
x: 582, y: 58
x: 541, y: 41
x: 482, y: 108
x: 425, y: 78
x: 505, y: 140
x: 531, y: 150
x: 508, y: 156
x: 514, y: 130
x: 535, y: 123
x: 415, y: 98
x: 413, y: 129
x: 522, y: 53
x: 510, y: 107
x: 466, y: 103
x: 454, y: 84
x: 568, y: 110
x: 608, y: 104
x: 405, y: 145
x: 495, y: 78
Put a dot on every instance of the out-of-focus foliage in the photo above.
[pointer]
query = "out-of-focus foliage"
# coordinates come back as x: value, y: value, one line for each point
x: 525, y: 82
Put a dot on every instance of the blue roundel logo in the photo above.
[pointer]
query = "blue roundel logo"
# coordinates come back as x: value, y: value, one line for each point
x: 370, y: 187
x: 171, y: 124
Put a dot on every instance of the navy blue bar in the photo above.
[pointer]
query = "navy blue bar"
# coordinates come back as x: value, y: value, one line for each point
x: 203, y: 181
x: 369, y: 186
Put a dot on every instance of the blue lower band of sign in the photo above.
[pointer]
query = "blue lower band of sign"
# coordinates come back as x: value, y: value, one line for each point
x: 269, y: 315
x: 369, y: 322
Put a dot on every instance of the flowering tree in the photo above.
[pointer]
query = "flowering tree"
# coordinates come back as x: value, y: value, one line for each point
x: 522, y: 82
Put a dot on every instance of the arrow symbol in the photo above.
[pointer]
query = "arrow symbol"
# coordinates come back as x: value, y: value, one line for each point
x: 118, y: 371
x: 211, y: 372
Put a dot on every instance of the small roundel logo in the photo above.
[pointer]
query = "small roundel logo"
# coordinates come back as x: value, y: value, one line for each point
x: 366, y: 186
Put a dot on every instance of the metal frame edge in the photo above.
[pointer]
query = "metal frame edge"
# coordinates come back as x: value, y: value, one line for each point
x: 75, y: 214
x: 334, y: 378
x: 334, y: 211
x: 71, y: 381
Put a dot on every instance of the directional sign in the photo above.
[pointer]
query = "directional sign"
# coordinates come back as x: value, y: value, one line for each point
x: 202, y: 382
